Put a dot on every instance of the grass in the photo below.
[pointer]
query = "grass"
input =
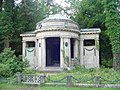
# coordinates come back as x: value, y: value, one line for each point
x: 78, y: 72
x: 108, y: 75
x: 38, y: 87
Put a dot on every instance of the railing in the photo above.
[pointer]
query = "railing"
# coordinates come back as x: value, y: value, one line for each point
x: 30, y: 78
x: 67, y: 80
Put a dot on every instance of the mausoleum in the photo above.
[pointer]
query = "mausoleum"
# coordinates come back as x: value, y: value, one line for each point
x: 59, y: 43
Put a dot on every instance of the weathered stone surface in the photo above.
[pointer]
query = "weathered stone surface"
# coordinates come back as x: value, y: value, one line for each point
x: 65, y: 29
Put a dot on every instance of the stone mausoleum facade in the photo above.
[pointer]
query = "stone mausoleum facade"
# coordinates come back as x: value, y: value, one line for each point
x: 59, y: 43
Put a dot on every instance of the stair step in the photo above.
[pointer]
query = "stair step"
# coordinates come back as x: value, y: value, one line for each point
x: 52, y: 69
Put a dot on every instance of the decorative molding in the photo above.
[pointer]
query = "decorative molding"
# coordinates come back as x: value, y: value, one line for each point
x: 30, y: 50
x: 57, y: 29
x: 83, y: 33
x: 28, y: 35
x: 89, y: 50
x: 58, y: 20
x: 66, y: 44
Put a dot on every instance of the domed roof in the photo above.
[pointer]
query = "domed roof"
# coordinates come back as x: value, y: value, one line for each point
x: 57, y: 16
x: 57, y: 22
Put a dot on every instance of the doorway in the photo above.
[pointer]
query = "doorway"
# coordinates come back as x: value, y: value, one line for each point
x: 52, y: 52
x: 72, y: 44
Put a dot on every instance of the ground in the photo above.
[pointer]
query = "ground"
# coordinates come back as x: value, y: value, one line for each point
x: 33, y: 87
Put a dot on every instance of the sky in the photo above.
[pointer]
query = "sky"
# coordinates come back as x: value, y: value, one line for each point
x: 58, y: 1
x: 62, y: 2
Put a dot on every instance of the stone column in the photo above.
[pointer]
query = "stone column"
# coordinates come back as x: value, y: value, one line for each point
x: 38, y: 52
x: 43, y: 52
x: 76, y: 48
x: 67, y: 49
x: 61, y: 52
x: 23, y: 49
x: 81, y: 52
x: 97, y: 53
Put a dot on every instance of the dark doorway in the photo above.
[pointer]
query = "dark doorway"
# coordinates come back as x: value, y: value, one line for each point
x: 72, y: 41
x: 53, y: 52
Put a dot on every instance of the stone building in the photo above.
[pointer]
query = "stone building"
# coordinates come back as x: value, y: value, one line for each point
x: 59, y: 43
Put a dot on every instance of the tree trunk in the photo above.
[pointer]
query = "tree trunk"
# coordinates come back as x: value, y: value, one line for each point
x: 1, y: 2
x: 116, y: 61
x: 6, y: 42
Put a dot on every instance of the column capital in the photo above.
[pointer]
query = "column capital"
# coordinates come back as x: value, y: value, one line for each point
x: 61, y: 37
x: 81, y: 39
x: 76, y: 39
x: 67, y: 37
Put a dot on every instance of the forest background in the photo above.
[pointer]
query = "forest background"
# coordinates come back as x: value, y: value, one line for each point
x: 17, y: 18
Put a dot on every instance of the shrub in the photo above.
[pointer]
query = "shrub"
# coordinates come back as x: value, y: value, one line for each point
x: 10, y: 64
x: 29, y: 70
x: 107, y: 63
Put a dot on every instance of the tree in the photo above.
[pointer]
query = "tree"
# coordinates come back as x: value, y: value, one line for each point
x: 26, y: 15
x: 90, y: 14
x: 6, y: 22
x: 112, y: 23
x: 23, y: 22
x: 1, y: 2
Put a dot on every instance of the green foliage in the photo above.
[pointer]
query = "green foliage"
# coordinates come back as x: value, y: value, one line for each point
x: 108, y: 75
x: 4, y: 70
x: 6, y: 21
x: 89, y: 13
x: 10, y: 64
x: 107, y: 63
x: 28, y: 70
x: 113, y: 29
x: 17, y: 19
x: 105, y: 50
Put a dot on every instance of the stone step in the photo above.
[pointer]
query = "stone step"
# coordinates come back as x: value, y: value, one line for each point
x: 52, y: 69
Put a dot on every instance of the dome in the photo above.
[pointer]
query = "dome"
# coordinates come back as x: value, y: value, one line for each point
x: 57, y: 16
x: 57, y: 22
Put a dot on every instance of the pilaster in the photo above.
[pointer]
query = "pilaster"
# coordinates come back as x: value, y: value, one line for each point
x: 38, y: 50
x: 76, y: 48
x: 43, y: 52
x: 23, y: 49
x: 61, y: 52
x: 81, y: 52
x: 67, y: 49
